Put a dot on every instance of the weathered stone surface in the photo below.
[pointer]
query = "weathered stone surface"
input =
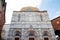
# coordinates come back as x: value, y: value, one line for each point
x: 36, y: 23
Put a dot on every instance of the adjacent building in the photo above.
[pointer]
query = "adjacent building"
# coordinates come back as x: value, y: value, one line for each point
x: 2, y: 14
x: 56, y: 25
x: 30, y: 24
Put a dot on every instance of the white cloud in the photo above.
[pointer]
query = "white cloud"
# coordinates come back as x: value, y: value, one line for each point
x: 17, y: 5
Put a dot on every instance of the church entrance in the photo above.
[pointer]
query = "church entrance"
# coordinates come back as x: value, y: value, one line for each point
x: 17, y: 35
x: 46, y: 39
x: 16, y: 38
x: 31, y: 38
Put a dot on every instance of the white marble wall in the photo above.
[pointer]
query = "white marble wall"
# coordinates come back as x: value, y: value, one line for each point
x: 30, y: 16
x: 24, y: 31
x: 25, y: 21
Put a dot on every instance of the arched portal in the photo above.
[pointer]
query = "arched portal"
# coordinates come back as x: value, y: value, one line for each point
x: 32, y: 35
x: 46, y: 39
x: 31, y: 38
x: 17, y: 35
x: 46, y: 35
x: 16, y: 38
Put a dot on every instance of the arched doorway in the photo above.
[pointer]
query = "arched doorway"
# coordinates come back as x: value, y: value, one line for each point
x: 46, y: 35
x: 17, y: 35
x: 32, y: 35
x: 16, y: 38
x: 46, y: 39
x: 31, y: 38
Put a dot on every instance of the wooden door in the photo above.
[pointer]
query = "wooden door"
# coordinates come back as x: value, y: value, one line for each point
x: 46, y: 39
x: 16, y: 38
x: 31, y: 38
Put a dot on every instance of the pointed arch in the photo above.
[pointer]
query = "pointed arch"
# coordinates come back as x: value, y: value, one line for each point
x: 45, y: 33
x: 17, y: 35
x: 32, y: 35
x: 31, y: 32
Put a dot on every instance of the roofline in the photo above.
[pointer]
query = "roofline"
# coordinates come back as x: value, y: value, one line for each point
x: 30, y: 11
x: 55, y: 18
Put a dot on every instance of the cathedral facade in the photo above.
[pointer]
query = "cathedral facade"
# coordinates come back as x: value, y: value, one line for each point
x: 30, y: 24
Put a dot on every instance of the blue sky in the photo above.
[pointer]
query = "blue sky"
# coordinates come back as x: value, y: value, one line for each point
x: 52, y: 6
